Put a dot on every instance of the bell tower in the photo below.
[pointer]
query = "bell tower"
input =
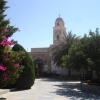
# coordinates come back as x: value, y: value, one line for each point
x: 59, y: 31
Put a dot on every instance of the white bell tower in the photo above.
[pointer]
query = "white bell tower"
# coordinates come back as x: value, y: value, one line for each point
x: 59, y: 31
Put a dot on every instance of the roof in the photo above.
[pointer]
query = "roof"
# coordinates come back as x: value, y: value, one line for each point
x: 59, y: 19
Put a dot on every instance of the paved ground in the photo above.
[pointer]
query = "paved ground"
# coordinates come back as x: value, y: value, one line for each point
x: 50, y: 89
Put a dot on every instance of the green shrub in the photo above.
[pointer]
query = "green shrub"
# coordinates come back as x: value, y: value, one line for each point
x: 26, y: 79
x: 18, y: 47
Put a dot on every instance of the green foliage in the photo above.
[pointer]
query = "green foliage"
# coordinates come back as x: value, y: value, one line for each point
x: 61, y: 50
x: 15, y: 63
x: 18, y: 47
x: 81, y: 53
x: 27, y: 78
x: 5, y: 23
x: 77, y: 56
x: 10, y: 61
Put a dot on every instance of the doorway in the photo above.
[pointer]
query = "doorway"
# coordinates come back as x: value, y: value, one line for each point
x: 39, y: 67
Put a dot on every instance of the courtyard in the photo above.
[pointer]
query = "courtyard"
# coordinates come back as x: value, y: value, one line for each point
x: 52, y: 89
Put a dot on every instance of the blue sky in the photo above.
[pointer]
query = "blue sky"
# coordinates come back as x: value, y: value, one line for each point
x: 35, y: 19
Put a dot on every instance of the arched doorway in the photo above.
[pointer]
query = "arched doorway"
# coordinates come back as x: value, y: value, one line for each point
x: 39, y: 67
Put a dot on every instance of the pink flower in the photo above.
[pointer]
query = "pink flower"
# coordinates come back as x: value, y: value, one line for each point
x: 5, y: 41
x: 2, y: 68
x: 12, y: 43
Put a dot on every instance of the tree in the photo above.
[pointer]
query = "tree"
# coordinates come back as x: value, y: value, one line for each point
x: 60, y: 50
x: 80, y: 53
x: 92, y: 51
x: 27, y: 77
x: 9, y: 67
x: 85, y: 54
x: 77, y: 57
x: 10, y: 61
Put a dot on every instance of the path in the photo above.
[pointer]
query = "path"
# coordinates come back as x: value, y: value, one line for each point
x: 50, y: 89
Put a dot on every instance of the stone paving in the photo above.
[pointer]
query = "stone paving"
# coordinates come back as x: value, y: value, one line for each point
x: 51, y: 89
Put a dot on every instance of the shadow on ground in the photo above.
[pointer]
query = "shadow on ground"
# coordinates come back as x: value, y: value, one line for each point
x: 3, y: 98
x: 50, y: 79
x: 76, y: 91
x: 16, y: 90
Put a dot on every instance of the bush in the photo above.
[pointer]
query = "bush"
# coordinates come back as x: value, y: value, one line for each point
x: 10, y: 68
x: 27, y: 77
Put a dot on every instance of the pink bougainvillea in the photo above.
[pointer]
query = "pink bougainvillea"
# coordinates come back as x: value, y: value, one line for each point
x: 2, y: 68
x: 5, y: 41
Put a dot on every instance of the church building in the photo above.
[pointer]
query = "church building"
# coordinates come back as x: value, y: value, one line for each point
x: 43, y: 56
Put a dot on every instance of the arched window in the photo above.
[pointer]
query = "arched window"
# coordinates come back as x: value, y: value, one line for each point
x: 57, y: 37
x: 58, y: 24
